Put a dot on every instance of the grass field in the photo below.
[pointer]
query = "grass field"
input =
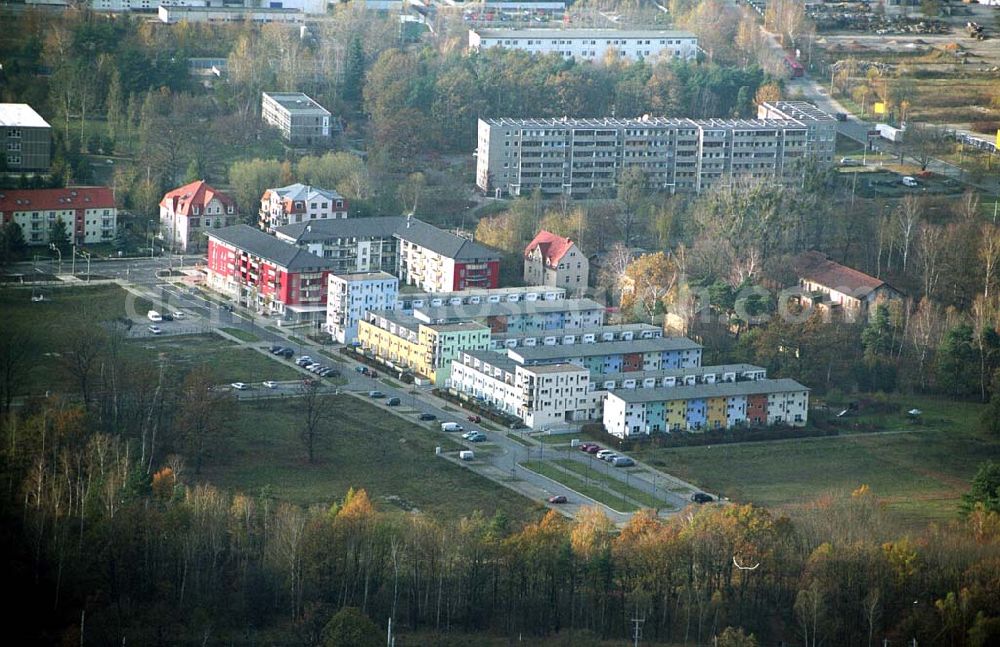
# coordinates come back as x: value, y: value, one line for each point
x: 598, y: 474
x: 241, y: 334
x: 391, y: 458
x: 920, y: 471
x: 230, y: 362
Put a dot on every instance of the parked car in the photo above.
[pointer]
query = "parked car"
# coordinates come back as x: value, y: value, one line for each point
x: 179, y: 315
x: 840, y: 116
x: 475, y: 418
x: 361, y: 369
x: 328, y: 372
x: 273, y: 349
x: 376, y: 394
x: 604, y: 453
x: 593, y: 449
x: 156, y: 330
x: 167, y: 317
x: 701, y: 497
x: 373, y: 375
x: 559, y: 498
x: 393, y: 402
x: 474, y: 436
x: 302, y: 361
x: 585, y: 447
x: 239, y: 386
x: 910, y: 181
x: 270, y: 384
x: 622, y: 461
x: 849, y: 161
x: 451, y: 426
x: 426, y: 416
x: 286, y: 353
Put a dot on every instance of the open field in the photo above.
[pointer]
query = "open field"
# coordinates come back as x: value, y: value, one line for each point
x: 229, y: 361
x: 592, y: 473
x: 919, y: 470
x: 580, y: 485
x: 368, y: 448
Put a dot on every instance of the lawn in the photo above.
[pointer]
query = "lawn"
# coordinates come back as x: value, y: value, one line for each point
x: 242, y: 335
x: 392, y: 458
x: 229, y: 361
x: 919, y: 470
x: 580, y: 485
x: 598, y: 474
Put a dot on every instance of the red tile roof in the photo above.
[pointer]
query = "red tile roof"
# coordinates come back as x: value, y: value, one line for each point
x: 816, y: 267
x: 197, y: 194
x: 552, y: 247
x: 89, y: 197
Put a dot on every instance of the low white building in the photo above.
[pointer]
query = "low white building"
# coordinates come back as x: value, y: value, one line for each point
x: 591, y: 44
x: 351, y: 296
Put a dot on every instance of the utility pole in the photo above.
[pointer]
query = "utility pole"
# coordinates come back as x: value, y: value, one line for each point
x: 636, y: 627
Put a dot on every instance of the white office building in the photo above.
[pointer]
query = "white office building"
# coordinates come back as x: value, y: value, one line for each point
x: 351, y: 296
x: 591, y: 44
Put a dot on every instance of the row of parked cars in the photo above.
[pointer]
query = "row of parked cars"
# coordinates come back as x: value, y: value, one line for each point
x: 608, y: 455
x: 319, y: 369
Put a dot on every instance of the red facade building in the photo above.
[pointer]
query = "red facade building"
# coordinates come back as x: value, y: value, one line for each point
x: 266, y: 274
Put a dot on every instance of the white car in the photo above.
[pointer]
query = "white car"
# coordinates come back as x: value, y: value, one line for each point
x: 179, y: 315
x: 271, y: 384
x: 239, y: 386
x: 156, y: 330
x: 604, y: 453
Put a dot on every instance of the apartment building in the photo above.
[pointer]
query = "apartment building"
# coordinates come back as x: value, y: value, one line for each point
x: 301, y: 120
x: 500, y: 341
x: 533, y: 316
x: 25, y: 138
x: 89, y: 213
x: 553, y: 260
x: 631, y: 412
x: 266, y: 274
x: 418, y: 253
x: 298, y: 203
x: 821, y: 127
x: 407, y: 302
x: 591, y: 44
x: 188, y: 211
x: 350, y: 296
x: 578, y: 156
x: 171, y: 15
x: 427, y: 350
x: 616, y: 356
x: 539, y: 395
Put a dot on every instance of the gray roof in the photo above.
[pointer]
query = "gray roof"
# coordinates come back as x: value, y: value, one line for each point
x: 415, y: 231
x: 699, y: 371
x: 583, y: 33
x: 550, y: 353
x: 314, y: 231
x: 497, y: 360
x: 366, y: 276
x: 577, y: 332
x: 479, y: 310
x: 294, y: 101
x: 444, y: 242
x: 270, y: 248
x: 304, y: 192
x: 717, y: 390
x: 799, y: 110
x: 643, y: 122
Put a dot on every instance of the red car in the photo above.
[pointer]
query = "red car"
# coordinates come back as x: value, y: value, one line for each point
x: 592, y: 448
x: 559, y: 498
x: 585, y: 447
x: 475, y: 419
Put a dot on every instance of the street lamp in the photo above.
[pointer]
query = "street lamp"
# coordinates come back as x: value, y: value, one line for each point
x: 53, y: 247
x: 87, y: 256
x: 150, y: 227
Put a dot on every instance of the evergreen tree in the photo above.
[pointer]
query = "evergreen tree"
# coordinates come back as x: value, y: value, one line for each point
x: 59, y: 234
x: 354, y: 71
x: 985, y: 488
x: 955, y: 359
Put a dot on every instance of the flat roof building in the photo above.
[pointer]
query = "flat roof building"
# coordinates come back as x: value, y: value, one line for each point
x: 302, y: 121
x: 25, y: 138
x: 591, y: 44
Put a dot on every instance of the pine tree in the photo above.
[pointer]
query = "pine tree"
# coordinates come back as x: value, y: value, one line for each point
x: 354, y: 71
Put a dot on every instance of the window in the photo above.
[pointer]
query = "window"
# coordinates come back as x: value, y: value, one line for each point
x: 14, y: 133
x: 13, y: 159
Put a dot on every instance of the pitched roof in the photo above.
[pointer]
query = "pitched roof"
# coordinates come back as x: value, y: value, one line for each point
x: 444, y: 242
x: 196, y: 194
x: 304, y: 193
x: 551, y: 246
x: 89, y: 197
x: 408, y: 229
x: 816, y: 267
x: 268, y: 247
x: 567, y: 351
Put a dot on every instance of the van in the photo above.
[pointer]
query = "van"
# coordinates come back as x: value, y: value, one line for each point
x: 909, y: 180
x: 466, y: 455
x: 451, y: 426
x: 154, y: 316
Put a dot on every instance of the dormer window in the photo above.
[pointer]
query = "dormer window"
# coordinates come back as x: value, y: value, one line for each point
x: 196, y: 211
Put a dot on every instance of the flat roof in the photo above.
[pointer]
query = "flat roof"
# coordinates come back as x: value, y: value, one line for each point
x: 296, y: 101
x: 21, y: 115
x: 232, y: 10
x: 800, y: 110
x: 366, y: 276
x: 678, y: 372
x: 644, y: 122
x: 577, y: 332
x: 561, y: 367
x: 396, y: 317
x: 717, y: 390
x: 483, y: 292
x: 479, y: 310
x: 583, y: 33
x: 544, y: 353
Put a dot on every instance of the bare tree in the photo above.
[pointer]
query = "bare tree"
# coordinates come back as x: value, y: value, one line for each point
x: 15, y: 355
x: 989, y: 254
x: 81, y: 356
x: 930, y: 250
x: 873, y: 612
x: 205, y: 415
x: 907, y: 218
x: 316, y: 415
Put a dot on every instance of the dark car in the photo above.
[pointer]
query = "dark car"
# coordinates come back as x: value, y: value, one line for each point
x: 286, y: 353
x: 701, y: 497
x: 475, y: 418
x: 166, y: 317
x: 840, y: 116
x: 273, y: 349
x: 393, y: 402
x: 559, y: 498
x: 376, y: 394
x: 427, y: 416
